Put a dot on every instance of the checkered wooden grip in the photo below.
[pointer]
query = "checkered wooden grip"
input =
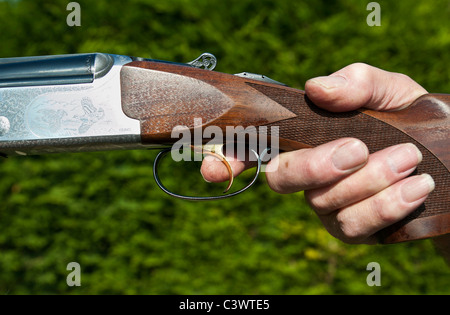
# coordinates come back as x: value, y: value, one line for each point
x: 426, y: 123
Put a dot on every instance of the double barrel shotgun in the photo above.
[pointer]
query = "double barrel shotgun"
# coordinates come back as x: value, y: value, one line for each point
x: 92, y: 102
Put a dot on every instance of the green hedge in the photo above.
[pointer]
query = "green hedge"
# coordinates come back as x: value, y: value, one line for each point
x: 104, y: 211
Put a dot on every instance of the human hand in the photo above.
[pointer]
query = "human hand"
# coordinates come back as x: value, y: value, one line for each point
x: 354, y: 193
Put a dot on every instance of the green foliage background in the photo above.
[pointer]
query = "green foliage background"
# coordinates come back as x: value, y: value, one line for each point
x: 104, y: 211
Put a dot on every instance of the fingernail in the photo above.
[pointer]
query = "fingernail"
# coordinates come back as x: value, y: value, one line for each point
x: 350, y: 155
x: 417, y: 188
x: 404, y: 157
x: 330, y: 82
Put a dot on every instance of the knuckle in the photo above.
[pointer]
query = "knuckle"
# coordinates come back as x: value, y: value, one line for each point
x: 307, y: 169
x: 352, y: 234
x: 359, y: 69
x: 381, y: 211
x: 311, y: 169
x: 359, y: 65
x: 402, y: 76
x: 352, y: 231
x: 360, y: 77
x: 321, y: 203
x: 379, y: 175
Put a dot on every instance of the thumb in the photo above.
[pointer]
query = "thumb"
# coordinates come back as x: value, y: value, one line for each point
x: 361, y: 85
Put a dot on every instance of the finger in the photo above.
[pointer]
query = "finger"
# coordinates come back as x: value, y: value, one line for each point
x: 213, y: 170
x: 383, y: 169
x: 360, y: 85
x: 311, y: 168
x: 359, y: 222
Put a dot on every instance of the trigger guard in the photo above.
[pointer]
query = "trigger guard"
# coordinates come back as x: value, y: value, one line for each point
x: 204, y: 198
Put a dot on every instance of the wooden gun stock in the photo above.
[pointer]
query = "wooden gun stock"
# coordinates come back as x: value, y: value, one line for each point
x: 163, y: 95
